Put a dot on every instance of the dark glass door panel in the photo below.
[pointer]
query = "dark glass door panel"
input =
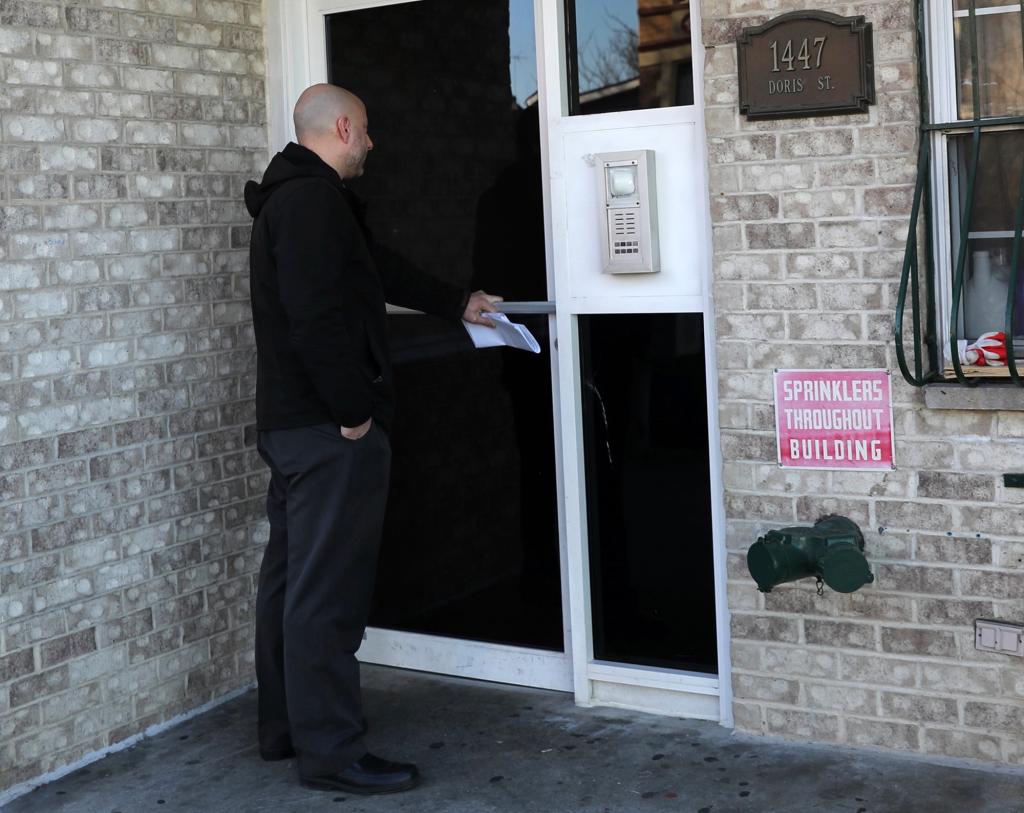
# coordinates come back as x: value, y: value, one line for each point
x: 471, y: 543
x: 454, y: 179
x: 648, y: 490
x: 471, y: 537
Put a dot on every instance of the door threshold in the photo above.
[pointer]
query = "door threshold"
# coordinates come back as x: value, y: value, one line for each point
x: 480, y: 660
x: 654, y: 690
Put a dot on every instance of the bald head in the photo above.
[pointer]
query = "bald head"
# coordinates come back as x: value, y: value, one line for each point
x: 319, y: 108
x: 331, y: 122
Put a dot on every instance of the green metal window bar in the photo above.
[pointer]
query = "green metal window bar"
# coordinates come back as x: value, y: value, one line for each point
x: 923, y: 323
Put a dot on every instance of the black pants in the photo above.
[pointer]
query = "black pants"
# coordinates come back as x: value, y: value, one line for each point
x: 326, y: 507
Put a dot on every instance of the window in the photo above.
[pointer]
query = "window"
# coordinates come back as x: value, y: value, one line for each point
x: 971, y: 174
x: 628, y: 55
x: 646, y: 462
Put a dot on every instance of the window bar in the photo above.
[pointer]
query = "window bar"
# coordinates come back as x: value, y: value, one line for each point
x: 961, y: 260
x: 1011, y: 293
x: 915, y: 304
x: 932, y: 317
x: 995, y: 121
x: 910, y: 276
x: 910, y: 272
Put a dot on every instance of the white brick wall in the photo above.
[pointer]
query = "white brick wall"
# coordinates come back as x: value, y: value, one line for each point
x: 130, y: 519
x: 809, y: 221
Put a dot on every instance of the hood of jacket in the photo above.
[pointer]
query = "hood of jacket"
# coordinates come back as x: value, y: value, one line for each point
x: 294, y: 161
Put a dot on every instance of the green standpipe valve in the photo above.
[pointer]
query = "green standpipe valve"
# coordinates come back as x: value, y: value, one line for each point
x: 832, y: 551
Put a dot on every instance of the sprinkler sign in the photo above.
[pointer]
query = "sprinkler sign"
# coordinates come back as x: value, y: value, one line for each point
x: 834, y: 419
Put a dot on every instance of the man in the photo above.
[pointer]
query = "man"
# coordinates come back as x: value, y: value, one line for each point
x: 324, y: 400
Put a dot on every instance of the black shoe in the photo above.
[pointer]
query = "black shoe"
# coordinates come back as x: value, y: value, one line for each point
x: 368, y: 774
x: 276, y: 754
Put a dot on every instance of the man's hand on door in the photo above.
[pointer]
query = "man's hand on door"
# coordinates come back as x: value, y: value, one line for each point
x: 480, y: 302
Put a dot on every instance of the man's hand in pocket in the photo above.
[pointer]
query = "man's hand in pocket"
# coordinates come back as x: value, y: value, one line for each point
x: 356, y: 432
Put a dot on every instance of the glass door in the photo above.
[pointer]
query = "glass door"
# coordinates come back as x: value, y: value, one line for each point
x: 470, y: 570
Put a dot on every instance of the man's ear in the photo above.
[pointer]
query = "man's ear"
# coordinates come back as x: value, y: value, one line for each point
x: 344, y: 128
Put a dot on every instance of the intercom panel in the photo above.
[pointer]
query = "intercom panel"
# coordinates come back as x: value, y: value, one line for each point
x: 629, y: 216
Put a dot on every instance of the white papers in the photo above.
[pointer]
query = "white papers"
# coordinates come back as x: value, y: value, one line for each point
x: 505, y: 333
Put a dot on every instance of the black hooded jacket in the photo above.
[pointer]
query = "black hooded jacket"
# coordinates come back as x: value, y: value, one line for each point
x: 318, y: 284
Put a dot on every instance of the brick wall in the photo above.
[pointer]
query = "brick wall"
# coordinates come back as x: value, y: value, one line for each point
x: 809, y: 221
x: 130, y: 491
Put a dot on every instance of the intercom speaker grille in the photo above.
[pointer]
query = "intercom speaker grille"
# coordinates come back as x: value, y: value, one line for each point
x: 624, y: 224
x: 624, y: 237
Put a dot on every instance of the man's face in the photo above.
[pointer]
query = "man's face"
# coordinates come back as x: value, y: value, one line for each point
x: 360, y: 144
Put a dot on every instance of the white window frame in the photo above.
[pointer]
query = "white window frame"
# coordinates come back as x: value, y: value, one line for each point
x: 940, y: 61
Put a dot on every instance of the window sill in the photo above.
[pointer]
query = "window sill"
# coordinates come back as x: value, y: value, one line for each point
x: 986, y: 396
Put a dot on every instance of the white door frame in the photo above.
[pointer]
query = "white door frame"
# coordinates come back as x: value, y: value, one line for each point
x: 296, y: 42
x: 296, y: 59
x: 595, y: 682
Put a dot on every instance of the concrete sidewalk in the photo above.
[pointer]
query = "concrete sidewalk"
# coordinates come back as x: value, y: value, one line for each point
x: 485, y: 748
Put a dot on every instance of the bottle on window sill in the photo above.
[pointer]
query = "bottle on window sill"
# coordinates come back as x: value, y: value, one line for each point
x: 985, y: 295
